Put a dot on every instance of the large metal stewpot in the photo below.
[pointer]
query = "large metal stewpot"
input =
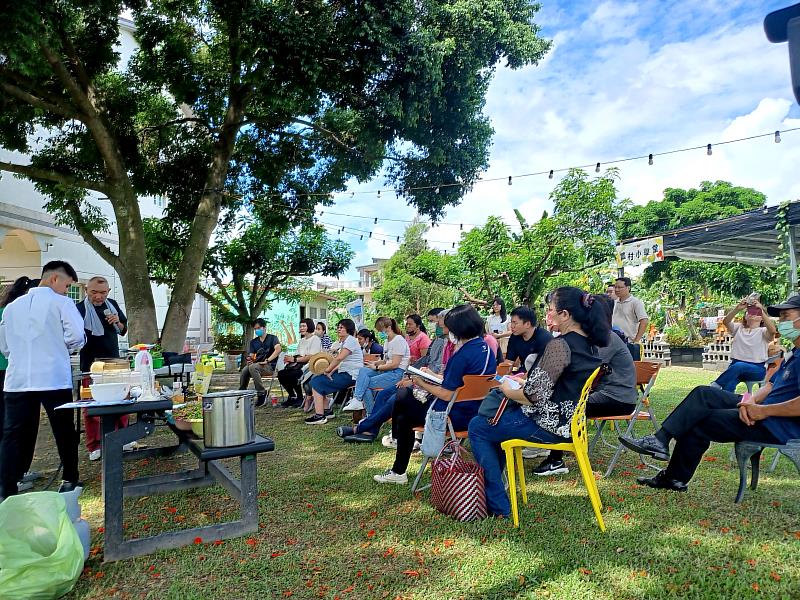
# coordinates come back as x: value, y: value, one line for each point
x: 229, y: 418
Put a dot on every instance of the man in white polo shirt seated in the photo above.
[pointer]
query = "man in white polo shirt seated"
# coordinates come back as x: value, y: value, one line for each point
x: 629, y: 313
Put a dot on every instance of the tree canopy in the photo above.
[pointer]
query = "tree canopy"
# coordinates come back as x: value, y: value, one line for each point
x: 492, y: 260
x: 247, y: 105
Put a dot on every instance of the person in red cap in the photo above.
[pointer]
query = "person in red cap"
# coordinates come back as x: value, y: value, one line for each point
x: 771, y: 415
x: 749, y: 345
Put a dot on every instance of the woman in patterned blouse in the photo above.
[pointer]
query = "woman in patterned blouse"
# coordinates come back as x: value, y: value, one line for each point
x: 542, y: 408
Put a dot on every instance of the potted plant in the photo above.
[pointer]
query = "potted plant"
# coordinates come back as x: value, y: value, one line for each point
x: 230, y: 345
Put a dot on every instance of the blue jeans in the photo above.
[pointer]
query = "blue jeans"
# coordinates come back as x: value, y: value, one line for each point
x: 381, y: 412
x: 337, y: 381
x: 485, y: 440
x: 740, y: 370
x: 370, y: 378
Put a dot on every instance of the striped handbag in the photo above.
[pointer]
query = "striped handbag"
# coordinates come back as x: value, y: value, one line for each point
x: 458, y: 488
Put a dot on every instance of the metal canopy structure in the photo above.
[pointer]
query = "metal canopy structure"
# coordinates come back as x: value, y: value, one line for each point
x: 750, y: 238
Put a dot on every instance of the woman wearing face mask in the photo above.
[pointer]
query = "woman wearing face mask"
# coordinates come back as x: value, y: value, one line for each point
x: 541, y: 410
x: 749, y: 345
x: 369, y: 344
x: 473, y: 357
x: 381, y: 374
x: 292, y: 372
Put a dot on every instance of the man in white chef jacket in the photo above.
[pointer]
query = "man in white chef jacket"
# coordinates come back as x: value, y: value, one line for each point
x: 38, y: 332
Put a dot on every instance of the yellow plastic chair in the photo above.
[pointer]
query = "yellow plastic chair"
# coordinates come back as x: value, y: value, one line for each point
x: 579, y: 447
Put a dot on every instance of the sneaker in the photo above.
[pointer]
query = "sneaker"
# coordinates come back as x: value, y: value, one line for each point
x: 24, y: 485
x: 130, y: 447
x: 417, y: 446
x: 551, y: 467
x: 360, y: 438
x: 344, y: 430
x: 95, y: 454
x: 68, y: 486
x: 352, y: 405
x: 649, y: 445
x: 389, y: 442
x: 535, y: 452
x: 389, y: 476
x: 328, y: 412
x: 261, y: 399
x: 316, y: 420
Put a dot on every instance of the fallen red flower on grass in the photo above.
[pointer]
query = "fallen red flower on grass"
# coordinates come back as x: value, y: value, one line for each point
x: 198, y: 540
x: 251, y: 541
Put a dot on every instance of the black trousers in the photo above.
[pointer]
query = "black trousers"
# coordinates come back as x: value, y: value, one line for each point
x: 21, y: 427
x: 600, y: 405
x: 289, y: 378
x: 408, y: 412
x: 707, y: 415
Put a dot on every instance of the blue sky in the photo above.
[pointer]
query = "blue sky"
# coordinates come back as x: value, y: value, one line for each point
x: 623, y: 79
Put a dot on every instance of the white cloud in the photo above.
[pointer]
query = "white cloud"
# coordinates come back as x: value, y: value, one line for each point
x: 626, y: 79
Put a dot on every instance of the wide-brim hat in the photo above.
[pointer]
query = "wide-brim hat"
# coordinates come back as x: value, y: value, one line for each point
x: 319, y: 362
x: 775, y: 309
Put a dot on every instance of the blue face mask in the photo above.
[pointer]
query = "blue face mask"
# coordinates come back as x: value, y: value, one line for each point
x: 259, y: 332
x: 439, y: 331
x: 788, y: 331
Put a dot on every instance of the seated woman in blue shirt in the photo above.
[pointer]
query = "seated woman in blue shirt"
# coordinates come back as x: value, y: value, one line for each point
x: 472, y: 357
x: 542, y: 409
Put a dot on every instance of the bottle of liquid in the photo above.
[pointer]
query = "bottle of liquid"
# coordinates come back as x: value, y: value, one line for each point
x: 144, y: 366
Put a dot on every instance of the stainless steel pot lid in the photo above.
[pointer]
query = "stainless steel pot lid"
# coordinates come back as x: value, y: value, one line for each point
x: 230, y: 393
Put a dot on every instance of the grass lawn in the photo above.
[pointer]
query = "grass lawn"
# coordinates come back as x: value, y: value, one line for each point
x: 328, y: 531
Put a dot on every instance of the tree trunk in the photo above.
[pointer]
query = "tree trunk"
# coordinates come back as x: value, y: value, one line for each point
x: 173, y: 335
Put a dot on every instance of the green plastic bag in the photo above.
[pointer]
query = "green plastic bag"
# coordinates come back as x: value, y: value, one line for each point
x: 41, y: 555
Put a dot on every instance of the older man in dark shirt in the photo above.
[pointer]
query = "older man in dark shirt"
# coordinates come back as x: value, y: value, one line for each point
x: 103, y: 322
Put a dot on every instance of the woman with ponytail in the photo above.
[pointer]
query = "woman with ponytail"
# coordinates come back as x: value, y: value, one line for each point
x: 381, y: 374
x: 542, y: 407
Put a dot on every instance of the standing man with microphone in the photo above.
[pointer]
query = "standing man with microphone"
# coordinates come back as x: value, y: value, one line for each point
x: 104, y: 322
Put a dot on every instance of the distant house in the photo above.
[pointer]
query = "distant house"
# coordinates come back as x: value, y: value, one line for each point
x: 369, y: 277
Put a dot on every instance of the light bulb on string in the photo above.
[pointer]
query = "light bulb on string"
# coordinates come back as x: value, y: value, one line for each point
x: 551, y: 174
x: 597, y: 168
x: 379, y: 193
x: 509, y: 180
x: 454, y: 244
x: 361, y: 237
x: 384, y: 242
x: 709, y: 152
x: 436, y: 191
x: 398, y: 239
x: 777, y: 137
x: 461, y: 227
x: 650, y: 160
x: 376, y: 220
x: 370, y: 234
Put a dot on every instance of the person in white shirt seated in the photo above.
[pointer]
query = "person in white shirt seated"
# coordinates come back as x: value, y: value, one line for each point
x: 381, y: 374
x: 340, y: 374
x: 292, y: 373
x: 749, y: 346
x: 38, y: 332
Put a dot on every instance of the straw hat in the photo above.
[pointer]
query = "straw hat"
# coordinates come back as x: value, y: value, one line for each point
x: 319, y: 362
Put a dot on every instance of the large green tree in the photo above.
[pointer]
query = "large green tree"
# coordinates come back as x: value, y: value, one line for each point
x: 245, y: 104
x: 242, y: 274
x: 682, y: 283
x: 576, y: 238
x: 400, y: 292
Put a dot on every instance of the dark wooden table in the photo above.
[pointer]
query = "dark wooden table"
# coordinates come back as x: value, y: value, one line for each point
x: 149, y: 415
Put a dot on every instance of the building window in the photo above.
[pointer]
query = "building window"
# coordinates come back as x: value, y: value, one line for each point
x: 313, y: 312
x: 75, y: 292
x: 323, y: 314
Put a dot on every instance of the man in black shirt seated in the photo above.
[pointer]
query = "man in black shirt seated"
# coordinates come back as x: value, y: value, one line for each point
x: 527, y: 338
x: 261, y: 360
